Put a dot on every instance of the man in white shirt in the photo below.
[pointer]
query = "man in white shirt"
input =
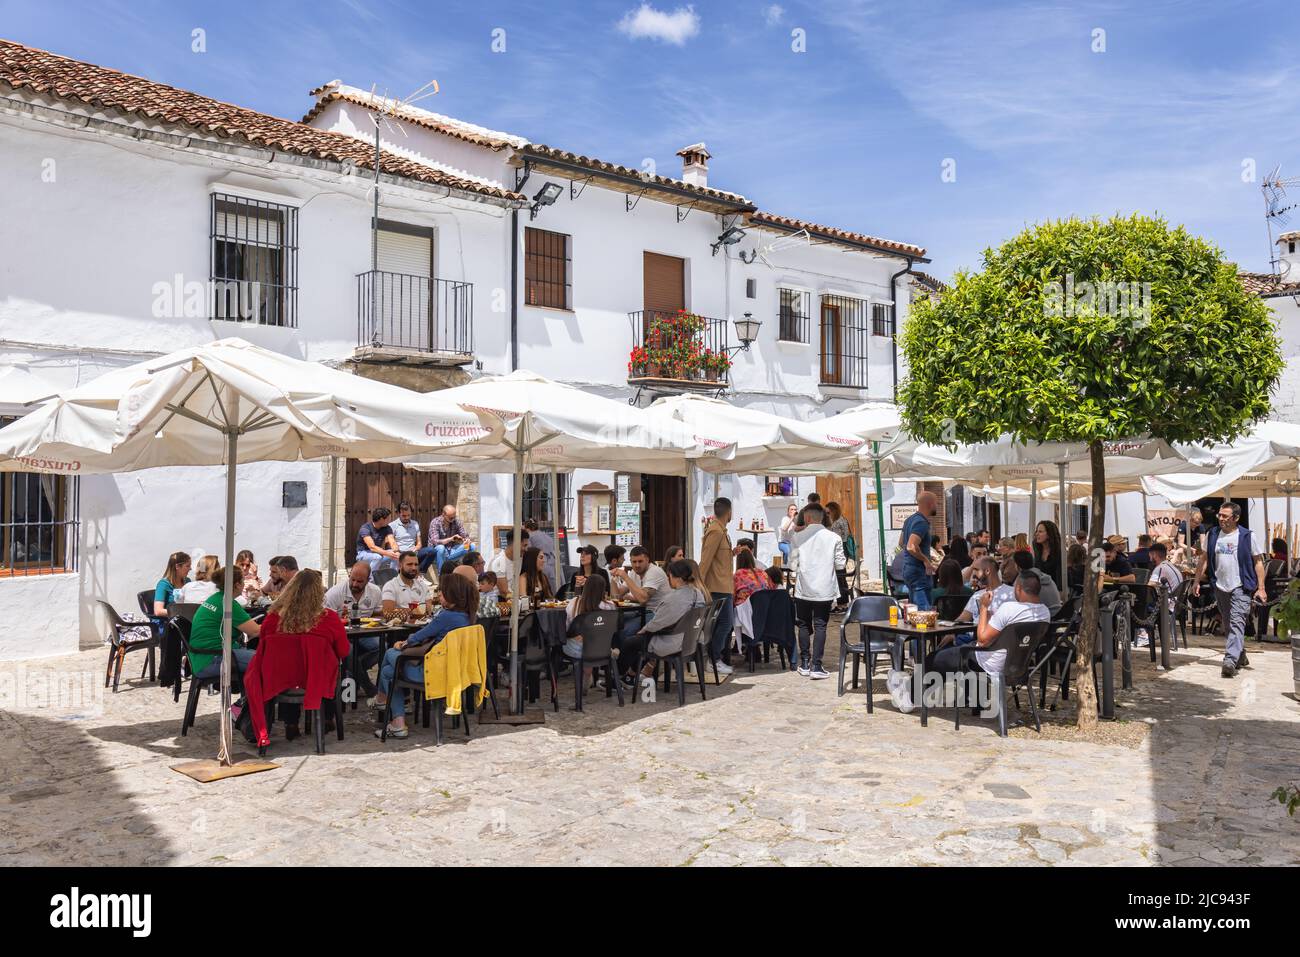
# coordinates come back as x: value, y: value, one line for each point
x: 503, y: 564
x: 408, y: 588
x: 406, y: 530
x: 644, y: 583
x: 817, y: 554
x: 1025, y: 606
x: 1234, y: 562
x: 358, y: 591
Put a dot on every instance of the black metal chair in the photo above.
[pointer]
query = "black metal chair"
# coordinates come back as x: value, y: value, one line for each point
x: 1182, y: 599
x: 713, y: 610
x: 1021, y: 642
x: 597, y: 629
x: 126, y: 636
x: 864, y: 609
x: 693, y: 634
x: 181, y: 628
x: 772, y: 618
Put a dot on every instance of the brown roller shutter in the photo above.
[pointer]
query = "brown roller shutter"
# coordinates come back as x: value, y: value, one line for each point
x: 665, y: 283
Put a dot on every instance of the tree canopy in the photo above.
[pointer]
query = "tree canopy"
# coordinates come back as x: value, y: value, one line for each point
x: 1091, y: 330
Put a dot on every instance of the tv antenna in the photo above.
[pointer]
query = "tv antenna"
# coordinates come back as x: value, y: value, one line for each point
x: 384, y: 109
x: 1277, y: 212
x: 783, y: 242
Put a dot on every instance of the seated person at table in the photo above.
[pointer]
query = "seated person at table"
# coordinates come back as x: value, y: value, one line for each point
x: 282, y: 570
x: 487, y: 596
x: 475, y: 561
x: 205, y: 632
x: 674, y: 552
x: 776, y: 575
x: 1165, y: 571
x: 503, y: 562
x: 533, y: 580
x: 588, y: 565
x: 300, y: 610
x: 1048, y: 594
x: 594, y: 597
x: 743, y: 545
x: 408, y: 589
x: 1076, y: 563
x: 363, y: 595
x: 1024, y: 606
x: 988, y: 577
x: 191, y: 593
x: 245, y: 562
x: 747, y: 578
x: 375, y: 543
x: 1142, y: 557
x: 539, y: 538
x: 448, y: 539
x: 459, y: 600
x: 977, y: 551
x: 176, y: 576
x: 644, y: 583
x: 406, y: 530
x: 1117, y: 567
x: 1006, y: 548
x: 614, y: 559
x: 448, y: 567
x: 948, y: 580
x: 661, y: 631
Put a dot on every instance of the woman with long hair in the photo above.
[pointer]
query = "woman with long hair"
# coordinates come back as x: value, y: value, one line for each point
x: 176, y: 576
x: 948, y: 580
x: 459, y: 599
x: 1021, y: 542
x: 1047, y: 552
x: 674, y: 552
x: 1076, y: 562
x: 203, y: 584
x: 594, y: 597
x: 959, y: 551
x: 748, y: 578
x: 247, y: 564
x: 838, y: 524
x: 532, y: 575
x: 300, y: 610
x: 787, y: 526
x: 588, y: 566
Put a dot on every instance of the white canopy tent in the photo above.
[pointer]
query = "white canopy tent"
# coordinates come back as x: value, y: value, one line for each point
x: 20, y: 388
x: 224, y: 403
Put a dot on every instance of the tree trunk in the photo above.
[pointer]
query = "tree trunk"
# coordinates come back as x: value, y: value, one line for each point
x: 1085, y: 695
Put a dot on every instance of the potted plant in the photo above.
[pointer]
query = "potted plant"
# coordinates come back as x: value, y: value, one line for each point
x: 1287, y: 615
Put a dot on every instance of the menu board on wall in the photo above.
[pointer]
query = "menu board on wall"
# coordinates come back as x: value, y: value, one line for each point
x: 628, y: 524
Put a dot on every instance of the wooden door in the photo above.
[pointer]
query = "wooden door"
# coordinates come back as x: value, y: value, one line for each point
x: 371, y: 484
x: 832, y: 343
x: 839, y: 489
x: 663, y: 520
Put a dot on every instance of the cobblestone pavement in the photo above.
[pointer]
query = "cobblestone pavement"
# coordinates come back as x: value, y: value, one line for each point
x: 771, y: 769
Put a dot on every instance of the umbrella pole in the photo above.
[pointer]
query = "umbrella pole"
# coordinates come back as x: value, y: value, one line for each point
x: 880, y: 512
x: 334, y: 505
x: 690, y: 510
x: 862, y: 532
x: 1146, y: 521
x: 516, y: 680
x: 1114, y: 507
x: 555, y: 528
x: 1268, y: 532
x: 1033, y: 507
x: 1061, y: 493
x: 1288, y: 524
x: 1006, y: 512
x: 225, y: 753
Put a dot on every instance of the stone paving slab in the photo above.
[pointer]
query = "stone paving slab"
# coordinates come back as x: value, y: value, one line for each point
x: 773, y: 769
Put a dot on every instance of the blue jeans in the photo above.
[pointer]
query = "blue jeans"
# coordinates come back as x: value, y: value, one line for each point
x: 918, y: 588
x: 375, y: 560
x: 414, y: 671
x: 785, y: 552
x: 722, y: 627
x: 435, y: 555
x: 239, y: 659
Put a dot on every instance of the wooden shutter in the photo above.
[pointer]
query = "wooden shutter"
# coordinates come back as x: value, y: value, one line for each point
x: 665, y: 283
x: 405, y: 253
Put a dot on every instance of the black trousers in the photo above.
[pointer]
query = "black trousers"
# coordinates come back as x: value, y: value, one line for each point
x: 812, y: 617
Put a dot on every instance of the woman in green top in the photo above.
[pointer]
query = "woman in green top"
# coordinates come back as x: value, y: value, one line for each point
x: 177, y: 574
x: 205, y: 630
x: 948, y: 580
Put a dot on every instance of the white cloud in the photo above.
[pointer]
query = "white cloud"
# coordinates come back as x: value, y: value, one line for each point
x: 774, y: 14
x: 645, y: 22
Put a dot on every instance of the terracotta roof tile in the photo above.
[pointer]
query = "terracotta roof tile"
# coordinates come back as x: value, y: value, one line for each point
x: 480, y: 136
x: 24, y: 67
x: 833, y: 234
x: 1266, y: 285
x: 589, y: 162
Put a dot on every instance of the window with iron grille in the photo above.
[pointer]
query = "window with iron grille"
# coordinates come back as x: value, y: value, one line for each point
x: 882, y: 323
x: 796, y: 309
x: 254, y: 270
x: 537, y: 498
x: 39, y: 518
x: 843, y: 336
x: 547, y: 262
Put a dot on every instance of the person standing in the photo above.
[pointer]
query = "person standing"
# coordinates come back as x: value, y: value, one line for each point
x: 718, y: 573
x: 818, y: 562
x: 840, y: 526
x: 1234, y: 563
x: 1047, y: 551
x: 917, y: 567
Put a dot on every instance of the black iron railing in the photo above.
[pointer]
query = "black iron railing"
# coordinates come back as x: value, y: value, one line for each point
x: 415, y: 312
x: 39, y: 523
x: 794, y: 321
x: 679, y: 346
x: 844, y: 336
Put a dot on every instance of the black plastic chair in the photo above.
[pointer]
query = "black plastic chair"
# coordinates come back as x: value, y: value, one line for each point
x: 1021, y: 642
x: 712, y: 610
x: 1182, y: 598
x: 181, y: 628
x: 868, y: 608
x: 538, y: 657
x: 771, y: 628
x: 126, y: 636
x: 296, y: 696
x: 695, y: 626
x: 597, y: 629
x: 408, y: 655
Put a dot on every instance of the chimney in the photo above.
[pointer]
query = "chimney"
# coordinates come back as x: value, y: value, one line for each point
x: 695, y: 164
x: 1288, y: 256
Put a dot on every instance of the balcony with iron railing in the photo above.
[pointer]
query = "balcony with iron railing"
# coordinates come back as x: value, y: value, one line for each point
x: 414, y: 319
x: 678, y: 352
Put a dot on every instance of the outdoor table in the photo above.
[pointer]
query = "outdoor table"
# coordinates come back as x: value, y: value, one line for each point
x: 390, y: 632
x: 918, y: 635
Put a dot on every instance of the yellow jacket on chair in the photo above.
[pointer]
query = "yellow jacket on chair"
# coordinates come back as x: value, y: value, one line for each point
x: 457, y: 662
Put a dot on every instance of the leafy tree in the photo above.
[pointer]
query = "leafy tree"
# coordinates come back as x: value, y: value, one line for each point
x: 1091, y: 331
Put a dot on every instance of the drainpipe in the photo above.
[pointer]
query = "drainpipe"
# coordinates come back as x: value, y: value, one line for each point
x: 514, y: 290
x: 893, y: 316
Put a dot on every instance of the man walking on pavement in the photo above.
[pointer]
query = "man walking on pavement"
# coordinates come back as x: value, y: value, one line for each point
x: 917, y: 567
x: 718, y: 578
x: 818, y: 553
x: 1234, y: 562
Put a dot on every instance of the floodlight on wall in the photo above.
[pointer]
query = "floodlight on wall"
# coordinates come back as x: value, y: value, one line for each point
x: 730, y: 236
x: 545, y: 196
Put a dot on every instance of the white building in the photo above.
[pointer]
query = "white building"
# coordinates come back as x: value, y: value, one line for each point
x: 138, y: 218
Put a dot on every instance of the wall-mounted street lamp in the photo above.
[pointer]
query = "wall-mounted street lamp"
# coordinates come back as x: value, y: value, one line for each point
x: 730, y: 236
x: 746, y: 332
x: 545, y: 196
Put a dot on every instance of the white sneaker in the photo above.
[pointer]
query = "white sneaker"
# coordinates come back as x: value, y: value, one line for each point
x: 804, y: 670
x: 723, y: 668
x: 818, y: 673
x: 690, y: 668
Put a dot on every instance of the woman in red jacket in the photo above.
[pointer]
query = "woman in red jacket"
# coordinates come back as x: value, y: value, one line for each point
x: 300, y: 646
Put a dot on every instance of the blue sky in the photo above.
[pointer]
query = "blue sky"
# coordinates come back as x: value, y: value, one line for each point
x: 853, y: 132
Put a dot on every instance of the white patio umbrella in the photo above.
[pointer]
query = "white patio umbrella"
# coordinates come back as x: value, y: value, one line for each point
x: 551, y: 425
x: 20, y: 388
x: 228, y: 402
